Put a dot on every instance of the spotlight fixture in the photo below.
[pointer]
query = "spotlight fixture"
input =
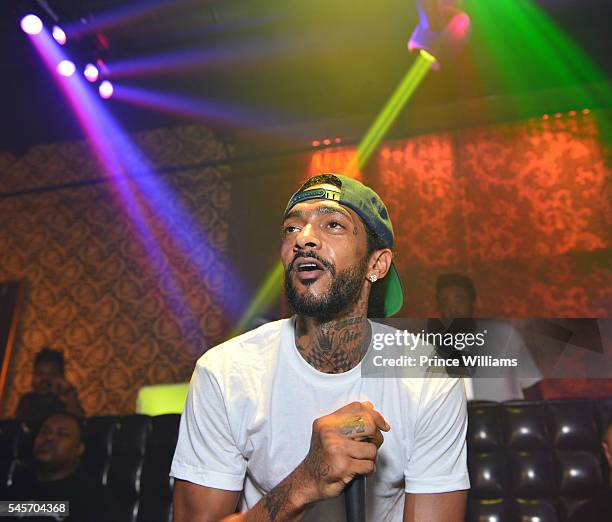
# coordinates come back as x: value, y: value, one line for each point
x: 442, y: 31
x: 59, y: 35
x: 66, y: 68
x: 91, y: 73
x: 106, y: 89
x: 31, y: 24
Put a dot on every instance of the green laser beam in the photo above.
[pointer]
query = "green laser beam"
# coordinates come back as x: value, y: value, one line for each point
x: 391, y: 110
x: 266, y: 295
x: 273, y: 282
x: 529, y: 49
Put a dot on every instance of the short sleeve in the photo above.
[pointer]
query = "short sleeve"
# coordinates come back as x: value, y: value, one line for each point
x: 437, y: 456
x: 206, y: 452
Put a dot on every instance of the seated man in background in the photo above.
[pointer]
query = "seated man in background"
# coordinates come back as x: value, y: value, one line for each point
x: 51, y: 392
x: 456, y: 298
x: 599, y: 509
x: 54, y: 473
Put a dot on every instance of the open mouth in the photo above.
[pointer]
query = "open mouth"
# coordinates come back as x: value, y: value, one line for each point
x: 308, y: 269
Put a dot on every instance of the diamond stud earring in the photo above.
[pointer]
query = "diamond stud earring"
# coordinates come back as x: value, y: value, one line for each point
x: 373, y: 278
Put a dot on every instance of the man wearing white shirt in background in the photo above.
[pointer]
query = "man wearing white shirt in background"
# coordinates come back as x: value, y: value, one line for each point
x: 456, y: 298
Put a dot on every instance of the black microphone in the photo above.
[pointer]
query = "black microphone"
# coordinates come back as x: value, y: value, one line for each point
x: 354, y: 500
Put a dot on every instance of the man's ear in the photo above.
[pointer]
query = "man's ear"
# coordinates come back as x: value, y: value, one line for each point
x: 380, y: 262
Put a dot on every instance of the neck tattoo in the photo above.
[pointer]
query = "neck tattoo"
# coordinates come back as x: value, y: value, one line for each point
x: 335, y: 346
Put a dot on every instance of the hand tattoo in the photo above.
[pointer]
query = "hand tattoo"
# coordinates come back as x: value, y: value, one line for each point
x: 351, y: 425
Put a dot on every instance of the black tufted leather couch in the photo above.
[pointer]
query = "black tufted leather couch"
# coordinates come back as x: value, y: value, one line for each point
x: 534, y: 461
x: 528, y: 461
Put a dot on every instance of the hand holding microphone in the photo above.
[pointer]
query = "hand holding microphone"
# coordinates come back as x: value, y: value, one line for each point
x: 343, y: 445
x: 354, y: 500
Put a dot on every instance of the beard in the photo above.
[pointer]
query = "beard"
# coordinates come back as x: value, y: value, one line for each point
x: 343, y: 291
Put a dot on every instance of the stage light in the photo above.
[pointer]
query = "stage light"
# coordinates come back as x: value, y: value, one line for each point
x: 586, y: 111
x: 545, y: 116
x: 427, y: 56
x: 338, y: 140
x: 316, y: 143
x: 572, y: 113
x: 66, y: 68
x: 91, y: 73
x: 59, y: 35
x: 31, y: 24
x: 442, y: 31
x: 106, y: 89
x: 326, y: 141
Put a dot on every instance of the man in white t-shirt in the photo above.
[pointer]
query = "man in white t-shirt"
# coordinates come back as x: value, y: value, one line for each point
x: 281, y: 417
x: 456, y: 297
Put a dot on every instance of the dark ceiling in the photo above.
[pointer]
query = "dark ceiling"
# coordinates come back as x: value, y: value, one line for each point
x: 275, y: 62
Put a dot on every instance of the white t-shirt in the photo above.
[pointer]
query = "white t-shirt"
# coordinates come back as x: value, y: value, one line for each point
x: 248, y: 420
x: 504, y: 341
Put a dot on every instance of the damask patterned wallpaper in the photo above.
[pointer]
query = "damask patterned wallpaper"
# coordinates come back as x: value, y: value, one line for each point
x: 123, y: 314
x: 524, y: 208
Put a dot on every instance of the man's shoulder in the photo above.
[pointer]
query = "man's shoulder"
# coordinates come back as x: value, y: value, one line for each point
x: 246, y: 348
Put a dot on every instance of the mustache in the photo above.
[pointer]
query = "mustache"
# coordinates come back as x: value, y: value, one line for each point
x: 311, y: 254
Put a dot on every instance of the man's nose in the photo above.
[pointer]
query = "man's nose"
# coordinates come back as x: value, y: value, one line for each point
x: 307, y: 238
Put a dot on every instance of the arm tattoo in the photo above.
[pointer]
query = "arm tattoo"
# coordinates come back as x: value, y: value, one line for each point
x: 315, y: 463
x: 275, y: 500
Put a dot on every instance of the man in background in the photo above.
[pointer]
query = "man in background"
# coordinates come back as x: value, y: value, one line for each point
x: 51, y: 392
x: 456, y: 298
x: 54, y: 473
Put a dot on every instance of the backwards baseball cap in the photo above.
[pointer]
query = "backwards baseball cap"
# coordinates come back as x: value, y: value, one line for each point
x: 369, y: 207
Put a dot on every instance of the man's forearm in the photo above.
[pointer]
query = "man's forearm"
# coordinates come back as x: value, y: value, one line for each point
x: 287, y: 502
